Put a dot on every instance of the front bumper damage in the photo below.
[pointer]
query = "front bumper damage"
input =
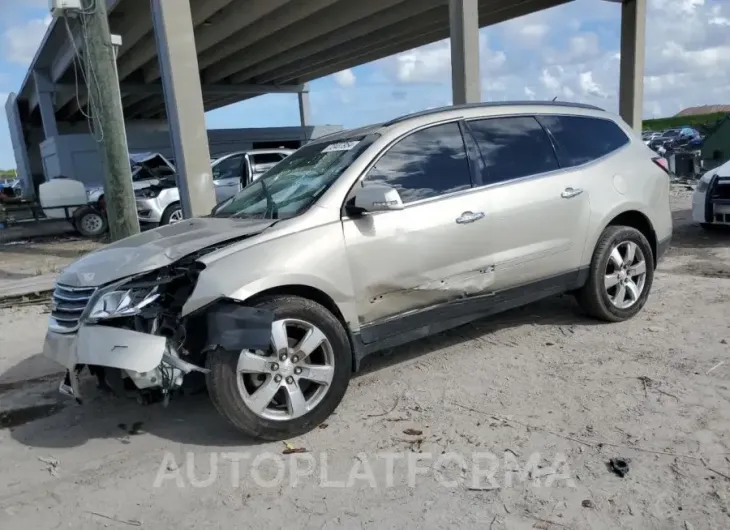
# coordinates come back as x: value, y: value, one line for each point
x: 151, y: 362
x: 148, y: 360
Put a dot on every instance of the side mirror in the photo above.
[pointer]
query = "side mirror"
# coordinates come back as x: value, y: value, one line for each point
x: 375, y: 198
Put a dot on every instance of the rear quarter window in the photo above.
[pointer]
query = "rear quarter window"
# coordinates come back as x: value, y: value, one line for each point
x: 582, y: 139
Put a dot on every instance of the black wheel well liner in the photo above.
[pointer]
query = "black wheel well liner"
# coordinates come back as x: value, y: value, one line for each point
x: 641, y: 222
x: 316, y: 295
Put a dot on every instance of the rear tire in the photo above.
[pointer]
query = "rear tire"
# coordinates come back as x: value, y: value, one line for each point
x: 600, y: 297
x: 172, y: 214
x: 228, y: 387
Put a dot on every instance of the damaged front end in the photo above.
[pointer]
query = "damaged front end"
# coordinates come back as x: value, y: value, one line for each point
x: 132, y: 335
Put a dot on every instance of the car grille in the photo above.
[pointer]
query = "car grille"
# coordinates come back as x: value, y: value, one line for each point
x: 67, y: 305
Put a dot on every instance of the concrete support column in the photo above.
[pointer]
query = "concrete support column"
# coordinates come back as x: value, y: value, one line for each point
x: 17, y: 139
x: 173, y: 27
x: 633, y: 52
x: 304, y: 107
x: 464, y: 23
x: 44, y: 90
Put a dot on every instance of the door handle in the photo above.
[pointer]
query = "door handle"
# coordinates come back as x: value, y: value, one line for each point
x: 469, y: 217
x: 569, y: 193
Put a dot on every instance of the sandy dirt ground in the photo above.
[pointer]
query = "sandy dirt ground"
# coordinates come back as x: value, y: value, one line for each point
x: 26, y: 258
x: 540, y: 398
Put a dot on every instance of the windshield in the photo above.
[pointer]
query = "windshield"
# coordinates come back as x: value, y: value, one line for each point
x: 294, y: 184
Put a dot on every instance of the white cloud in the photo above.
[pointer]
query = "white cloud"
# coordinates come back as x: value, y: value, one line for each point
x: 573, y: 52
x: 21, y: 42
x: 432, y: 63
x: 550, y: 81
x: 345, y: 78
x: 589, y: 87
x: 717, y: 19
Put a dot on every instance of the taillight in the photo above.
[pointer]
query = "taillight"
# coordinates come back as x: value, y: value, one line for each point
x: 662, y: 163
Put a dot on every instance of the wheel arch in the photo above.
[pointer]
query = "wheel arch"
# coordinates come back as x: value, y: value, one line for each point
x: 315, y: 295
x: 639, y: 221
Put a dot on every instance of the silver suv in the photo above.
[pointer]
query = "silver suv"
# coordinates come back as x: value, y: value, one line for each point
x: 364, y: 240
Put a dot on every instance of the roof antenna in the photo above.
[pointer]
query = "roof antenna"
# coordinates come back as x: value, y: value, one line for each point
x: 556, y: 97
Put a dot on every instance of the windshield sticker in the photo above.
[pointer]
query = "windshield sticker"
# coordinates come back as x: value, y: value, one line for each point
x: 340, y: 146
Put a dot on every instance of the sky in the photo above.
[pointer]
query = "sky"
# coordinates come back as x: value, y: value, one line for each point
x: 570, y: 52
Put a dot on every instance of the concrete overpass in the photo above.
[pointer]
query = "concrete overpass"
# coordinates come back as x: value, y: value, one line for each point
x: 239, y: 49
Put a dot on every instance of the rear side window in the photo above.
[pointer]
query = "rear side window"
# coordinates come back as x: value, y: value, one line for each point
x: 267, y: 158
x: 582, y: 139
x: 513, y: 147
x: 428, y: 163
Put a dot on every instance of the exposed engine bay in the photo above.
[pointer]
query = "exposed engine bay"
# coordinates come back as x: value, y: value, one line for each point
x: 142, y: 315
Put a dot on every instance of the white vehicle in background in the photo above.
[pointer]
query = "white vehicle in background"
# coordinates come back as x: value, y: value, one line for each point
x: 159, y: 203
x: 148, y: 169
x: 711, y: 198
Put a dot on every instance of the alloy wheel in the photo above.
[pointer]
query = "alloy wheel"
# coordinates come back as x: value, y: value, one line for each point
x: 625, y: 275
x: 176, y: 216
x: 293, y: 377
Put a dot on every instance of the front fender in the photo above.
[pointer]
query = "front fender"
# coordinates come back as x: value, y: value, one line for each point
x: 315, y: 258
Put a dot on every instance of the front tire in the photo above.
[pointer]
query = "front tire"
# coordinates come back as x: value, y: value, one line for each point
x: 296, y: 384
x: 172, y: 214
x: 620, y: 277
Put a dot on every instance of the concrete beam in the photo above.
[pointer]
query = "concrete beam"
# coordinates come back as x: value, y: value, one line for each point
x: 143, y: 106
x: 134, y: 28
x: 413, y: 39
x: 133, y: 25
x: 328, y: 20
x: 156, y: 89
x: 66, y: 54
x: 270, y: 24
x: 146, y: 50
x: 44, y: 91
x: 465, y: 69
x: 247, y: 13
x: 33, y: 100
x: 428, y: 27
x: 174, y: 25
x: 342, y: 37
x: 223, y: 102
x: 631, y: 70
x: 417, y: 25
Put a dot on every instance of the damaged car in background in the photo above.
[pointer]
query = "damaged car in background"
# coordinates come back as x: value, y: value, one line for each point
x: 361, y: 241
x: 711, y: 198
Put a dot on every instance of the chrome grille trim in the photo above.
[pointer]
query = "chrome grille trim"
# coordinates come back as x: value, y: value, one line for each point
x: 67, y: 306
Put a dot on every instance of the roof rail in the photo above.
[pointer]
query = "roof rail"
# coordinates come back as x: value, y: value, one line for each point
x: 491, y: 105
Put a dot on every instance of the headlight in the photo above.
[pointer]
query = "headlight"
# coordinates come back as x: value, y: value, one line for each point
x: 146, y: 193
x: 123, y: 303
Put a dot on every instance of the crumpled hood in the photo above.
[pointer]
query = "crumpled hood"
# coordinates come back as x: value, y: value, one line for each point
x: 156, y: 248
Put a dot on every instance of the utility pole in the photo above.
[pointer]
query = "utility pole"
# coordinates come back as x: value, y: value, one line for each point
x: 105, y: 103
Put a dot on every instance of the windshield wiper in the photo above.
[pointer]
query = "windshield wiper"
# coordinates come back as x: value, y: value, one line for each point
x: 270, y: 203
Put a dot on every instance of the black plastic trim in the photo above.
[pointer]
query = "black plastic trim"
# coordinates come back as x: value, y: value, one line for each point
x: 662, y: 247
x: 709, y: 206
x: 236, y: 327
x: 400, y: 330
